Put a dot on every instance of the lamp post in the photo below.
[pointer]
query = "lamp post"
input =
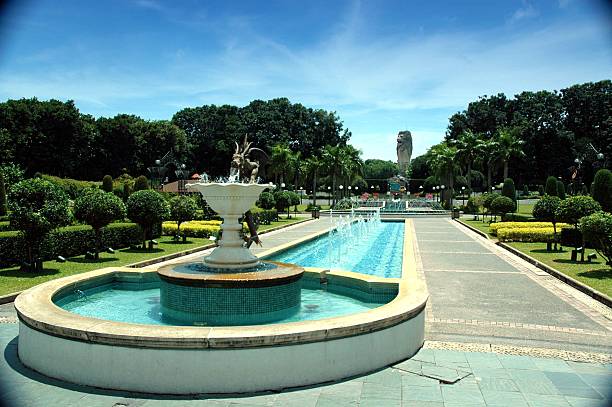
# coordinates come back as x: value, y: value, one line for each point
x: 341, y: 187
x: 442, y: 193
x: 349, y: 191
x: 328, y: 196
x: 463, y: 195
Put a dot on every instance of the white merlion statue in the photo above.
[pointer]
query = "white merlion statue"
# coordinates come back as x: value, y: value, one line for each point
x: 404, y: 151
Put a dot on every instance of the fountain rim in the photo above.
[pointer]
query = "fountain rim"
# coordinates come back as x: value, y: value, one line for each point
x: 36, y: 309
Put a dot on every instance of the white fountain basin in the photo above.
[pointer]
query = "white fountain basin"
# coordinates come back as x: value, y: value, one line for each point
x: 230, y: 201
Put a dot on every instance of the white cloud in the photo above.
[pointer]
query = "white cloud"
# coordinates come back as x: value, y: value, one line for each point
x: 525, y: 12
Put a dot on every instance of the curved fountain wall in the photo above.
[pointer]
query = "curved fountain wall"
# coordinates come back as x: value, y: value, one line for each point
x: 187, y: 360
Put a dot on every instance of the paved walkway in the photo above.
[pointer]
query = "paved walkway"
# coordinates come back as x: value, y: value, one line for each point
x: 481, y: 293
x: 484, y: 304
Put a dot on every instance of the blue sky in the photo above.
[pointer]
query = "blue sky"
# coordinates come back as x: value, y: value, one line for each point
x: 383, y: 66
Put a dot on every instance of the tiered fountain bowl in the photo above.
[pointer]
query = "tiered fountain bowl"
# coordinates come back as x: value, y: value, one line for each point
x: 231, y: 286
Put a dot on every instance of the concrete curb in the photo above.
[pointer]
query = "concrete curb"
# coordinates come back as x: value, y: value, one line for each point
x: 5, y: 299
x: 596, y: 295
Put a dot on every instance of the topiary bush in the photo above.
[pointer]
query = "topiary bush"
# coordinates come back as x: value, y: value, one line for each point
x: 37, y: 207
x: 343, y: 204
x: 264, y: 216
x: 508, y: 189
x: 570, y: 210
x: 182, y: 209
x: 72, y: 187
x: 597, y: 229
x: 107, y: 183
x: 266, y: 200
x: 487, y: 200
x: 147, y: 208
x: 502, y: 205
x: 602, y: 189
x: 525, y: 190
x: 282, y: 201
x: 546, y: 210
x: 97, y: 209
x: 141, y: 183
x: 3, y: 202
x: 541, y: 190
x: 551, y: 186
x: 516, y: 217
x: 560, y: 189
x: 473, y: 204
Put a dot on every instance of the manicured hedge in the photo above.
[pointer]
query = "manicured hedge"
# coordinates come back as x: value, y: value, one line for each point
x: 517, y: 217
x: 496, y: 227
x: 5, y: 225
x: 196, y: 228
x: 264, y: 216
x: 69, y: 241
x: 538, y: 234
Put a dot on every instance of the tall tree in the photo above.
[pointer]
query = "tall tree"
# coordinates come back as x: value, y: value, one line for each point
x: 313, y: 166
x: 280, y: 162
x: 467, y: 150
x: 509, y: 146
x: 444, y: 163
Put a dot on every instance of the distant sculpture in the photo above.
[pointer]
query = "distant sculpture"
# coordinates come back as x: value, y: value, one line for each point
x: 404, y: 151
x: 244, y: 167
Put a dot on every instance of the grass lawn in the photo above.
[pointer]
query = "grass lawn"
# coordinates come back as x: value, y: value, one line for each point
x: 525, y: 208
x: 477, y: 224
x: 595, y: 274
x: 281, y: 222
x: 12, y: 279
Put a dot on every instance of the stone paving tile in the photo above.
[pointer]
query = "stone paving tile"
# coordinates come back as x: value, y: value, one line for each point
x: 531, y: 381
x: 517, y: 362
x: 479, y: 360
x: 497, y: 385
x: 504, y: 398
x: 491, y: 373
x: 552, y: 365
x: 582, y: 402
x: 412, y: 403
x: 539, y: 400
x: 419, y: 393
x: 462, y: 395
x: 570, y: 384
x: 416, y: 380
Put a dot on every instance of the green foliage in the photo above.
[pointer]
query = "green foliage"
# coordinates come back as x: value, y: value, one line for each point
x: 570, y: 210
x: 551, y: 186
x: 502, y: 205
x: 12, y: 174
x: 602, y: 189
x: 473, y: 204
x: 544, y: 235
x: 343, y: 204
x: 107, y: 183
x: 282, y: 200
x: 68, y: 241
x: 379, y: 169
x: 266, y: 200
x: 429, y: 183
x: 546, y: 208
x: 294, y: 198
x: 560, y: 189
x: 125, y: 194
x: 3, y: 203
x: 264, y: 216
x: 38, y: 207
x: 487, y: 200
x: 141, y: 183
x: 541, y: 190
x: 525, y: 189
x: 508, y: 189
x: 182, y: 209
x: 571, y: 237
x: 597, y: 229
x: 147, y: 208
x: 72, y: 187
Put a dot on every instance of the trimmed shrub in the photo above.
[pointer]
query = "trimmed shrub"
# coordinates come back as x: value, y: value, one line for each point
x: 195, y: 228
x: 98, y: 208
x: 125, y: 194
x: 5, y: 226
x: 182, y: 208
x: 602, y: 189
x: 68, y: 241
x: 264, y: 216
x: 107, y: 183
x: 141, y: 183
x: 503, y: 205
x: 546, y: 210
x: 473, y: 204
x: 560, y: 189
x: 283, y: 201
x: 495, y: 227
x: 525, y: 190
x: 543, y: 235
x: 570, y: 237
x: 488, y: 199
x: 570, y: 210
x: 12, y: 174
x: 541, y: 190
x: 343, y: 204
x: 71, y: 187
x: 266, y: 200
x: 597, y: 229
x: 147, y: 208
x: 3, y: 202
x: 38, y: 207
x: 551, y: 186
x: 508, y: 189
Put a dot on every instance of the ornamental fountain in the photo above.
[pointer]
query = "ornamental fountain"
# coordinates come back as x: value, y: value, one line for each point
x: 231, y: 286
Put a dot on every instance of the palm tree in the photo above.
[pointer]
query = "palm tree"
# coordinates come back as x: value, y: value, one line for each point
x: 509, y: 145
x: 488, y: 153
x: 333, y: 163
x: 296, y: 168
x: 353, y: 164
x: 443, y: 161
x: 467, y: 150
x: 313, y: 165
x: 280, y: 162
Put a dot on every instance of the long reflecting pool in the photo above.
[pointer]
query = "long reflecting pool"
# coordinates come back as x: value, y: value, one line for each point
x: 374, y: 248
